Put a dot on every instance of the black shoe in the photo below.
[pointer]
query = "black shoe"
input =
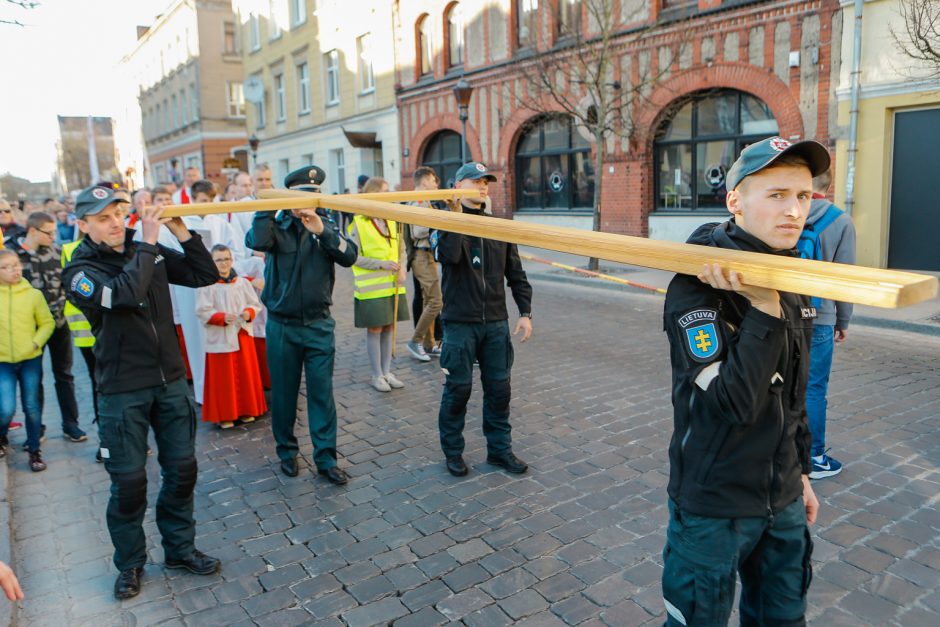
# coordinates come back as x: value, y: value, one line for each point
x: 335, y: 475
x: 509, y: 462
x: 4, y: 443
x: 127, y: 585
x: 98, y: 457
x: 456, y: 466
x: 196, y: 562
x: 74, y: 434
x: 289, y: 467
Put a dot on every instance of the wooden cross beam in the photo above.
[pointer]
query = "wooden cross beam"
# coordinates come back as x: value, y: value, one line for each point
x: 855, y: 284
x: 309, y: 200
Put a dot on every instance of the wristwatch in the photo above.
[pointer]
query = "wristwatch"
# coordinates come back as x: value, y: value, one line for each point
x: 526, y: 315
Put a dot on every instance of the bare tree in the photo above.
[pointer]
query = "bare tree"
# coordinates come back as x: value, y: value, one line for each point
x: 587, y: 76
x: 22, y: 4
x: 919, y: 36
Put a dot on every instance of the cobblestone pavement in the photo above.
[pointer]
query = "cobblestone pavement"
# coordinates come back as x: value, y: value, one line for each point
x: 575, y: 541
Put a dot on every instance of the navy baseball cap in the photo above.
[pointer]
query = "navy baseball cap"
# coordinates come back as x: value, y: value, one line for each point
x: 474, y: 170
x: 760, y: 155
x: 94, y: 199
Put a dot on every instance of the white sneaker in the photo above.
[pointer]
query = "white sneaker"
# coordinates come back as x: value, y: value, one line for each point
x: 380, y: 384
x: 417, y: 351
x: 393, y: 381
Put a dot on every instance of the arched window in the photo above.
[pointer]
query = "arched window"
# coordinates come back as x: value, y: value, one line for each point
x: 453, y: 26
x: 424, y: 52
x: 554, y: 168
x: 443, y: 154
x: 695, y: 147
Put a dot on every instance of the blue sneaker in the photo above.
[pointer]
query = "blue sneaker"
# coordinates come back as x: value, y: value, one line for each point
x: 824, y: 466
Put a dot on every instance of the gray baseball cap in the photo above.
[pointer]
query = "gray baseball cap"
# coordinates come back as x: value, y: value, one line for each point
x: 761, y: 154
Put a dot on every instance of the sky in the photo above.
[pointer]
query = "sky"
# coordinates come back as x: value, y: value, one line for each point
x: 60, y: 63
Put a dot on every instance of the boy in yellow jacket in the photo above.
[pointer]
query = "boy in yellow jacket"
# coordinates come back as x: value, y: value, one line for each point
x: 25, y: 325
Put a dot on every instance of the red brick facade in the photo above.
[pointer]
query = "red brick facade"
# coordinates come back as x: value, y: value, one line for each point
x: 427, y: 107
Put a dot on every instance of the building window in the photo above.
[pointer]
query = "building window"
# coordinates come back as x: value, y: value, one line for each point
x: 274, y: 19
x: 306, y: 159
x: 526, y: 22
x: 298, y: 12
x: 443, y: 155
x: 453, y: 24
x: 261, y: 114
x: 568, y: 18
x: 554, y: 168
x: 229, y: 41
x: 158, y: 122
x: 283, y: 168
x: 331, y: 59
x: 174, y: 112
x: 235, y: 99
x: 695, y: 147
x: 184, y: 108
x: 424, y: 52
x: 254, y: 32
x: 338, y: 160
x: 280, y: 101
x: 303, y: 88
x: 167, y: 123
x: 194, y: 101
x: 364, y: 53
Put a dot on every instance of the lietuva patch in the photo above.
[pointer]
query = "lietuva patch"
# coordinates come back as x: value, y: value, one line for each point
x: 702, y: 340
x: 82, y: 285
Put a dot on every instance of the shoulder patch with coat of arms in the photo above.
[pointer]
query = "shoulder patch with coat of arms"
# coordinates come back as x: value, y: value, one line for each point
x: 700, y: 334
x: 83, y: 285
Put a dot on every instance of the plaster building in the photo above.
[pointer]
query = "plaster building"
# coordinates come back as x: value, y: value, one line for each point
x: 321, y: 87
x: 189, y: 75
x: 729, y: 72
x: 895, y: 186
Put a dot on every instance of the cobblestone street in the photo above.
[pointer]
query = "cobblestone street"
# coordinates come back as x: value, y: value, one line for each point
x: 577, y: 540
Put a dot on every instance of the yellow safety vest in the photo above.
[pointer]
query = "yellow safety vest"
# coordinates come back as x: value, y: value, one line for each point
x: 370, y: 284
x: 78, y: 323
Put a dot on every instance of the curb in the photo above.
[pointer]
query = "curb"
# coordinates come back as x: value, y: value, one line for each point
x: 7, y: 609
x: 863, y: 321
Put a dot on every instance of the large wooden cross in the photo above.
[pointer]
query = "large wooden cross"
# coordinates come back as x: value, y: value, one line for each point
x: 840, y: 282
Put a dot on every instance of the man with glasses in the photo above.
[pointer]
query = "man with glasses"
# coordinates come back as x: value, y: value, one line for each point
x: 42, y: 267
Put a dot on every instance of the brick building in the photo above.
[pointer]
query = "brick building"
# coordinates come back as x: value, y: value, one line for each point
x: 189, y: 76
x: 745, y: 70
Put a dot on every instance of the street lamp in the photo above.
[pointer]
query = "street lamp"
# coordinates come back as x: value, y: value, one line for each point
x: 462, y: 92
x: 253, y: 142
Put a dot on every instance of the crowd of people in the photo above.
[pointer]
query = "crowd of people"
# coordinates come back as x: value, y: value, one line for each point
x: 237, y: 302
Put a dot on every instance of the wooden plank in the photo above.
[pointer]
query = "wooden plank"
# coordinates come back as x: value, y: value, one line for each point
x: 309, y: 201
x: 855, y: 284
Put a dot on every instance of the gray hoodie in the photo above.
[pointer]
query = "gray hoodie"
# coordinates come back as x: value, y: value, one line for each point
x: 837, y: 243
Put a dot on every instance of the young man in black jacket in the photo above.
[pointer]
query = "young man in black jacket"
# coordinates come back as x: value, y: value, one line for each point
x: 122, y: 287
x: 475, y: 272
x: 739, y: 491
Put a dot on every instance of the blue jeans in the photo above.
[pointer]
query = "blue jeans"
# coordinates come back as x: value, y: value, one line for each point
x: 29, y: 374
x: 817, y: 388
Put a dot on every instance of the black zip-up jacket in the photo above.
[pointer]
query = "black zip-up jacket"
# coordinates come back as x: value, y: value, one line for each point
x: 741, y: 439
x: 298, y: 273
x: 474, y: 275
x: 126, y: 298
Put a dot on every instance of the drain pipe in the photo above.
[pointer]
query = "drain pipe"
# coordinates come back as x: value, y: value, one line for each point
x: 853, y: 110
